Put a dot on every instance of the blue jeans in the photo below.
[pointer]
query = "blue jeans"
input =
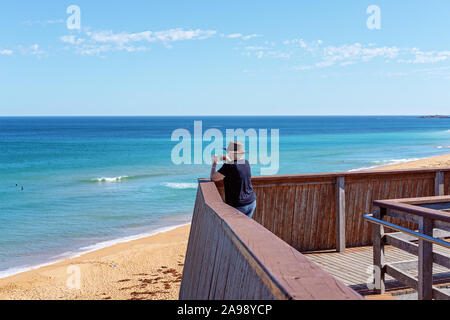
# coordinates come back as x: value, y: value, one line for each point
x: 248, y: 210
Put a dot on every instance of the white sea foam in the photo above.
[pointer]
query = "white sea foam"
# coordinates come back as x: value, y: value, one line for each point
x: 395, y: 161
x: 364, y: 168
x: 84, y: 250
x: 114, y: 179
x: 180, y: 185
x: 443, y: 147
x: 382, y: 163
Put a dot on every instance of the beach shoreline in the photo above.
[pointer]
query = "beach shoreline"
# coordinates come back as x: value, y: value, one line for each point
x: 147, y: 268
x: 144, y: 268
x: 442, y: 161
x: 91, y: 248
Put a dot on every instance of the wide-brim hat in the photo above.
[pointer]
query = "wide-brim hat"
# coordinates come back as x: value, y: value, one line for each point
x: 235, y: 147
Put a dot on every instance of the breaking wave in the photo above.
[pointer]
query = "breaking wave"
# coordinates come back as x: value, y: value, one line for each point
x: 180, y: 185
x: 106, y: 180
x: 122, y: 178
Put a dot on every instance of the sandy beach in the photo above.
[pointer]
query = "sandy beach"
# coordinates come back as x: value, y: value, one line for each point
x: 433, y: 162
x: 148, y: 268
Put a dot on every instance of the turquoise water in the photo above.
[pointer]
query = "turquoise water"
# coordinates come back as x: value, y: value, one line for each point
x: 92, y: 181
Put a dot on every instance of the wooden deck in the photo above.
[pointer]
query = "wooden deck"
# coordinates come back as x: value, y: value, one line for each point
x: 354, y: 267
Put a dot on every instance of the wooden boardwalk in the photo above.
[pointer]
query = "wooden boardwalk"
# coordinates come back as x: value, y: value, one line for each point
x: 354, y: 266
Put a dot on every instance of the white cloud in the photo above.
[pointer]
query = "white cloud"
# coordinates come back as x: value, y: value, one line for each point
x: 253, y: 48
x: 72, y: 39
x: 242, y: 36
x: 250, y: 36
x: 33, y: 50
x: 300, y: 43
x: 6, y: 52
x: 436, y: 72
x: 350, y: 54
x: 151, y: 36
x: 94, y: 43
x: 358, y: 52
x: 343, y: 55
x: 327, y: 56
x: 427, y: 57
x: 234, y: 35
x: 42, y: 22
x: 324, y: 64
x: 262, y: 52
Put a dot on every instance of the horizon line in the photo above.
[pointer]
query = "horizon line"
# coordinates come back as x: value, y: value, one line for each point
x: 237, y: 115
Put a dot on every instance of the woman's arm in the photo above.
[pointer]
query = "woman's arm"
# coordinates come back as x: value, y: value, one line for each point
x: 216, y: 176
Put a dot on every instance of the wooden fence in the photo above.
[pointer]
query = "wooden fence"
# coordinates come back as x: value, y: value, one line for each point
x: 230, y: 256
x: 326, y: 211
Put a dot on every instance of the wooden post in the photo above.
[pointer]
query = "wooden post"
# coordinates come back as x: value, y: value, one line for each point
x: 340, y: 214
x: 425, y: 286
x: 378, y: 251
x: 439, y: 183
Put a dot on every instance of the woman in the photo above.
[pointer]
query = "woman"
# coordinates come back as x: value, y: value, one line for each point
x: 236, y: 175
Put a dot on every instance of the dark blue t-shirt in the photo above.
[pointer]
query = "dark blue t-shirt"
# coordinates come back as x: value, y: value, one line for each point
x: 238, y: 184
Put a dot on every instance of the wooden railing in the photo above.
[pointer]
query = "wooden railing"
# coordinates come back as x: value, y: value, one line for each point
x: 326, y: 211
x: 434, y: 227
x: 231, y: 256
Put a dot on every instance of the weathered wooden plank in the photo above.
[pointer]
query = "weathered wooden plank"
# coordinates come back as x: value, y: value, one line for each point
x: 446, y: 183
x: 415, y: 210
x: 296, y: 221
x: 315, y: 217
x: 405, y: 265
x: 304, y: 245
x: 350, y: 212
x: 330, y: 229
x: 401, y: 215
x: 397, y: 241
x: 439, y: 294
x: 401, y: 276
x: 425, y: 285
x: 288, y: 213
x: 340, y: 214
x: 305, y: 219
x: 439, y: 184
x: 378, y: 253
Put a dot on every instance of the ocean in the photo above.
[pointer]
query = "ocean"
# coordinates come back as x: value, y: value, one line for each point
x: 89, y: 182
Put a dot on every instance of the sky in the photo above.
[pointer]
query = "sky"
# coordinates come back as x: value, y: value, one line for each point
x: 224, y: 57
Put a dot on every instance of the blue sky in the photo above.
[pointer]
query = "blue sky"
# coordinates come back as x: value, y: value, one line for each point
x: 224, y: 58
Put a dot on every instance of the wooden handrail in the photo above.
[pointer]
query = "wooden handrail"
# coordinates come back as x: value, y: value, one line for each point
x: 421, y: 200
x: 427, y: 213
x: 333, y: 175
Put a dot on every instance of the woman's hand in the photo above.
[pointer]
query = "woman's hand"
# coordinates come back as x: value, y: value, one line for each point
x: 216, y: 176
x: 216, y: 159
